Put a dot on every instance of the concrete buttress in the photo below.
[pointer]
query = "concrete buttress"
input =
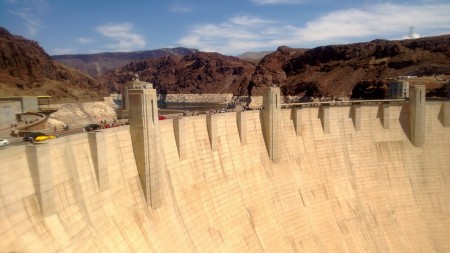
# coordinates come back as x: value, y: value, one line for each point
x: 325, y: 117
x: 179, y: 126
x: 446, y: 113
x: 271, y: 122
x: 356, y: 116
x: 96, y: 144
x: 385, y: 115
x: 144, y: 133
x: 297, y: 118
x: 211, y: 124
x: 417, y: 116
x: 242, y: 127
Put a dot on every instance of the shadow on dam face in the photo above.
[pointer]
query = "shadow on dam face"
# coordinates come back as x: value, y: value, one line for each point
x: 344, y: 190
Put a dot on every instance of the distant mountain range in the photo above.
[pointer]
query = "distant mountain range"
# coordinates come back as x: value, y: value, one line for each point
x: 96, y: 65
x: 253, y: 56
x: 358, y: 70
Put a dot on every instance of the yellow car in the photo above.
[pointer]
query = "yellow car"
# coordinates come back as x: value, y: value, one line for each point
x: 44, y: 137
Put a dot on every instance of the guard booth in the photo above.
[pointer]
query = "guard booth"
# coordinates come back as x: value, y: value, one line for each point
x: 398, y: 89
x: 43, y: 102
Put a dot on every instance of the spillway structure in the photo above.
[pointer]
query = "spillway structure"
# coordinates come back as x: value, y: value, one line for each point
x: 355, y: 177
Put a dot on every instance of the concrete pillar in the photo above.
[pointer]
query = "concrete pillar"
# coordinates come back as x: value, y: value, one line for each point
x: 385, y: 115
x: 179, y: 126
x: 325, y: 117
x: 211, y: 123
x: 38, y: 157
x: 242, y: 127
x: 448, y: 90
x: 417, y: 114
x: 446, y: 108
x: 144, y: 131
x: 356, y: 116
x: 124, y: 110
x: 297, y: 119
x: 271, y: 122
x: 97, y: 146
x: 446, y: 113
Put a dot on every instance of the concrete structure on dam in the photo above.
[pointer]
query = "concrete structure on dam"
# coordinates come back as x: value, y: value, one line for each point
x: 367, y: 177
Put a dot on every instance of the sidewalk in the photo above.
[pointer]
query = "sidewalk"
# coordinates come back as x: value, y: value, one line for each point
x: 6, y: 134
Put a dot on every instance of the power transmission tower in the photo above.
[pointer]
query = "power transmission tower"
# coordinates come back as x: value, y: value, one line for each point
x: 411, y: 32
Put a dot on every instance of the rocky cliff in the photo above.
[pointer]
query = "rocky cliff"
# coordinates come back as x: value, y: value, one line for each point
x: 336, y: 70
x: 25, y: 69
x: 327, y: 71
x: 197, y: 73
x: 360, y: 70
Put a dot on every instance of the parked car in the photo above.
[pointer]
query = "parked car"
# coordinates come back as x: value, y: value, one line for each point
x: 4, y: 142
x: 44, y: 137
x: 91, y: 127
x: 38, y: 136
x: 31, y: 136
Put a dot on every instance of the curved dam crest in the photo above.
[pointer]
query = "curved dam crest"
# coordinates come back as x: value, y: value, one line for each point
x: 354, y: 184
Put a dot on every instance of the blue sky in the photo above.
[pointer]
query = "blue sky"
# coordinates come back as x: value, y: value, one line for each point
x: 229, y: 27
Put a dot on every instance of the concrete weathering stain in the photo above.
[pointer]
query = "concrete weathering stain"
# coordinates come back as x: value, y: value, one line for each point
x: 362, y: 178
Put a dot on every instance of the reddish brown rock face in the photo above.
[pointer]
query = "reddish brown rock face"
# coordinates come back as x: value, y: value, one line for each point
x: 357, y: 70
x: 196, y: 73
x: 332, y: 71
x: 25, y: 69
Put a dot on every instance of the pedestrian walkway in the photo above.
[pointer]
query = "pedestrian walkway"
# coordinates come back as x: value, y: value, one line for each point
x: 27, y: 120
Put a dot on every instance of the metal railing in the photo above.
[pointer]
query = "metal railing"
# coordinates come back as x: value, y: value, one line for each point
x: 345, y: 102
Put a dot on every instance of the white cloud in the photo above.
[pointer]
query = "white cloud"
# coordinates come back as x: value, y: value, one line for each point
x: 83, y: 40
x: 126, y: 39
x: 59, y: 51
x: 32, y: 22
x: 228, y: 38
x: 386, y: 20
x: 30, y: 12
x: 382, y: 21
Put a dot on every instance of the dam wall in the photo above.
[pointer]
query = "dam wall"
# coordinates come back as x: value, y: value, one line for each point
x: 346, y: 187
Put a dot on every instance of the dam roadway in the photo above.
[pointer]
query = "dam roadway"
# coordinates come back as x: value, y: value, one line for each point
x: 335, y: 179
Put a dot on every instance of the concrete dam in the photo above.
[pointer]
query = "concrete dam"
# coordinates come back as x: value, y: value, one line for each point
x: 349, y: 178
